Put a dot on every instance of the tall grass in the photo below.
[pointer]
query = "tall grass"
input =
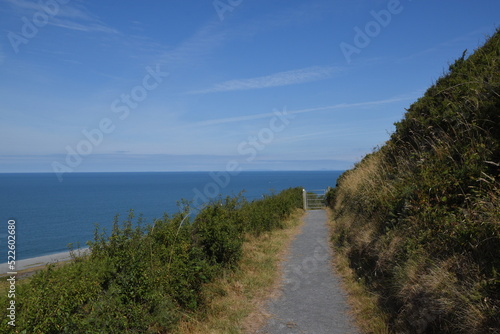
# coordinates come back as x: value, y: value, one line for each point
x: 145, y: 279
x: 419, y: 219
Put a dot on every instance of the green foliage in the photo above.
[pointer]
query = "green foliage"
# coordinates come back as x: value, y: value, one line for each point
x: 330, y: 197
x: 419, y: 218
x: 143, y: 279
x: 269, y: 213
x: 219, y: 231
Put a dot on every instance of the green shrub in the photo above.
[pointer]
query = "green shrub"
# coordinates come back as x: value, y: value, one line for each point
x: 142, y: 279
x: 219, y: 232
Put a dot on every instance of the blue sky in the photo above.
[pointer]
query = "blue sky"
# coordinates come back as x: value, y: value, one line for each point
x: 195, y: 85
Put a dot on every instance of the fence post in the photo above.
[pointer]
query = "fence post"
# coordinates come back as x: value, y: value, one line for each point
x: 304, y: 198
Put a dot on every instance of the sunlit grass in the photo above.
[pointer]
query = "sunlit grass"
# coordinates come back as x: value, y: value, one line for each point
x: 237, y: 300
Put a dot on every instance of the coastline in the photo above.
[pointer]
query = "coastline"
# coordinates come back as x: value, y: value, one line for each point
x: 40, y: 261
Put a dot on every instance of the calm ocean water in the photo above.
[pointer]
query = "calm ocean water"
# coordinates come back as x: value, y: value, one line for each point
x: 50, y: 214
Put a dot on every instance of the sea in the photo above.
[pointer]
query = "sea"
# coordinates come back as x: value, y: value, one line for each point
x: 49, y: 215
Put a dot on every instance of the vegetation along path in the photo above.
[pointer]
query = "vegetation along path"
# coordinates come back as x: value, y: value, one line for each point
x: 312, y: 300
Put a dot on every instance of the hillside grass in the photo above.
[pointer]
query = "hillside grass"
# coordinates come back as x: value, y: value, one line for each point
x: 147, y: 278
x: 418, y: 220
x: 369, y: 317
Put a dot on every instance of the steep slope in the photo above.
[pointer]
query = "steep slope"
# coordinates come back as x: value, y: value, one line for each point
x: 419, y: 219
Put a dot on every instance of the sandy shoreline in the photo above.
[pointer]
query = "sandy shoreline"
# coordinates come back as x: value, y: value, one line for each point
x: 39, y: 261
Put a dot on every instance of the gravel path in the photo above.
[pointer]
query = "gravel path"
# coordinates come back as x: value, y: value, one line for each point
x: 312, y: 301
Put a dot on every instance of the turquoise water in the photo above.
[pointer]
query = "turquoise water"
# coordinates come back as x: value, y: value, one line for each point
x: 50, y: 214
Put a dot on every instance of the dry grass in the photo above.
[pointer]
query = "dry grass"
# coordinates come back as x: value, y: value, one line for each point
x: 437, y: 287
x: 369, y: 178
x: 237, y: 301
x: 368, y: 316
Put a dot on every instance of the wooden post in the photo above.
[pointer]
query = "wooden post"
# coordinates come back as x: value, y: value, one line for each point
x: 304, y: 198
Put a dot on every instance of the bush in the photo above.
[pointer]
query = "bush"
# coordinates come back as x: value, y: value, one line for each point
x: 142, y: 279
x: 219, y: 232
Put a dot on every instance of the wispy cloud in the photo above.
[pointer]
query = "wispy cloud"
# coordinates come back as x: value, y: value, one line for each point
x: 340, y: 106
x: 68, y: 16
x: 293, y: 15
x: 2, y: 55
x: 338, y: 133
x: 286, y: 78
x: 443, y: 45
x: 201, y: 43
x: 85, y: 27
x: 22, y: 4
x: 213, y: 34
x: 354, y: 105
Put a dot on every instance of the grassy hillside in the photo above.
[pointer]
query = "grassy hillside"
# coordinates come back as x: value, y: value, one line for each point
x: 145, y: 279
x: 419, y: 219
